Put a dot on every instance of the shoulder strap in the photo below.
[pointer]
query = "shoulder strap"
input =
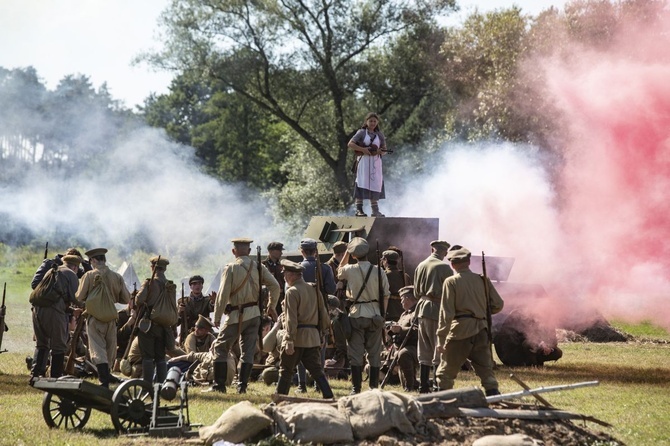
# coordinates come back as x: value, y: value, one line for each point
x: 365, y: 281
x: 234, y: 292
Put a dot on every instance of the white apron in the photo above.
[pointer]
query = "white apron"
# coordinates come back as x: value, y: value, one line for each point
x: 369, y: 173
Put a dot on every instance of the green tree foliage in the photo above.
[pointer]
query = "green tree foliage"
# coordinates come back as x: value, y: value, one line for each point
x: 316, y: 66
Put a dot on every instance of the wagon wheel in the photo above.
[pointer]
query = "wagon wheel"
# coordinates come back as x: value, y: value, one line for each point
x: 132, y: 405
x: 61, y: 412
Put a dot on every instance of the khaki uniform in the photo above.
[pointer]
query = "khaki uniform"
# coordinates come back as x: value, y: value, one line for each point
x: 367, y: 324
x: 408, y: 360
x: 429, y: 277
x: 102, y: 335
x: 158, y: 339
x: 304, y: 311
x: 195, y: 306
x: 462, y: 328
x: 241, y: 294
x: 195, y: 344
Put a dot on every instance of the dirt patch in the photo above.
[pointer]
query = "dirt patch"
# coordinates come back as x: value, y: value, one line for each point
x: 464, y: 431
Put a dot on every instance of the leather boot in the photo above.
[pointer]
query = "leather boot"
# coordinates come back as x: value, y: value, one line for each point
x: 326, y: 391
x: 424, y: 376
x: 220, y: 378
x: 57, y: 365
x: 356, y: 379
x: 374, y: 377
x: 103, y: 374
x: 359, y: 211
x: 148, y: 370
x: 492, y: 392
x: 39, y: 364
x: 284, y: 383
x: 245, y: 373
x: 161, y: 371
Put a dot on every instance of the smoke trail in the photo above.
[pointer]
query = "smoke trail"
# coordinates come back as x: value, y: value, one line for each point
x: 598, y: 238
x: 145, y: 192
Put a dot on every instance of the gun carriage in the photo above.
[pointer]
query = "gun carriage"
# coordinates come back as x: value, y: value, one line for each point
x: 135, y: 406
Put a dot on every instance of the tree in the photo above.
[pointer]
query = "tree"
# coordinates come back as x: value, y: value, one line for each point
x: 304, y: 62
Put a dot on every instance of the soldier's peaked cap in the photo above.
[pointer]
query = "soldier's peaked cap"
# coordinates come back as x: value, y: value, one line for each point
x: 407, y: 291
x: 71, y: 259
x: 162, y: 263
x: 195, y: 279
x: 276, y: 245
x: 358, y: 247
x: 203, y: 322
x: 440, y: 244
x: 96, y: 252
x: 339, y: 247
x: 391, y: 255
x: 242, y: 241
x: 308, y: 243
x: 459, y: 255
x: 292, y: 266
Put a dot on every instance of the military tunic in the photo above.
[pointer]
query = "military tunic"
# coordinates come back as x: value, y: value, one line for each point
x: 408, y: 359
x: 239, y: 291
x: 429, y: 277
x: 196, y: 306
x: 305, y: 314
x: 196, y: 344
x: 102, y: 335
x: 367, y: 324
x: 50, y: 324
x: 159, y: 339
x: 276, y: 271
x: 462, y: 328
x: 309, y: 275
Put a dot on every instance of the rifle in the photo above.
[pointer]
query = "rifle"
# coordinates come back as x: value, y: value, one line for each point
x: 379, y: 281
x: 487, y: 292
x: 183, y: 329
x: 259, y: 266
x: 46, y: 251
x: 3, y: 312
x: 395, y: 358
x: 72, y: 353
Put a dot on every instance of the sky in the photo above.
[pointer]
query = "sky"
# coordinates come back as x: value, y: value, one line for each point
x: 100, y: 39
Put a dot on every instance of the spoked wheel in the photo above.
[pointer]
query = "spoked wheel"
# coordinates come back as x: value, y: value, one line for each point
x: 132, y: 405
x: 63, y: 413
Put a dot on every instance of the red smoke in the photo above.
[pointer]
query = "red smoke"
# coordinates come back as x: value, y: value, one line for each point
x: 615, y: 185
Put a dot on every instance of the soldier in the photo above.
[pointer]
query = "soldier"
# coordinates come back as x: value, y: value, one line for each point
x: 462, y: 331
x: 367, y: 323
x: 406, y: 327
x: 83, y: 268
x: 238, y: 299
x: 428, y: 279
x: 100, y: 289
x: 306, y: 315
x: 309, y: 253
x: 522, y: 341
x: 341, y: 330
x: 201, y: 339
x: 51, y: 323
x: 196, y: 304
x: 271, y: 262
x: 397, y: 279
x: 156, y: 337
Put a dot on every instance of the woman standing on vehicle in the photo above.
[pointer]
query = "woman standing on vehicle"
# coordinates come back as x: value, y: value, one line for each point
x: 369, y: 145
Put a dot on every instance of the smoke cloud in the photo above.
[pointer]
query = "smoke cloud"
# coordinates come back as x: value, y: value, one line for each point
x: 594, y: 228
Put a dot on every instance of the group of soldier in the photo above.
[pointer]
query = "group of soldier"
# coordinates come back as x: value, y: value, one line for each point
x: 280, y: 317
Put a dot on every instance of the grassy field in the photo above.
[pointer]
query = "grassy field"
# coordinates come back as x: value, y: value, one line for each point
x: 633, y: 395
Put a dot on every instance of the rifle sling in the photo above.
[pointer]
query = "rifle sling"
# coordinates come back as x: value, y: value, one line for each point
x: 365, y: 281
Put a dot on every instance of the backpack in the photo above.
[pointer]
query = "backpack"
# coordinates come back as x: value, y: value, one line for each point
x: 164, y: 311
x: 49, y: 290
x: 99, y: 301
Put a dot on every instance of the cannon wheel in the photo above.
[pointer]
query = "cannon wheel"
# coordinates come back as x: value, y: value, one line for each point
x: 61, y: 412
x: 132, y: 405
